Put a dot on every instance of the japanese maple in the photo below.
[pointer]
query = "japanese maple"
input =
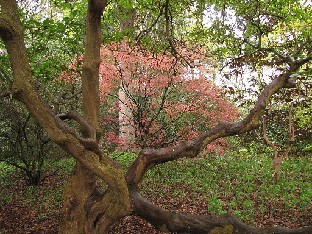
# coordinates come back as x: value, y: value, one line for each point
x: 164, y: 102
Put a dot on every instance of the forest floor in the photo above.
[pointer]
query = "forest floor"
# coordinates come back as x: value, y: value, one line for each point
x: 27, y: 209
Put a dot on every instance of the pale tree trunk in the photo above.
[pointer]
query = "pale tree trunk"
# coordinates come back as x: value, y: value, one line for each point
x: 125, y: 115
x: 126, y: 123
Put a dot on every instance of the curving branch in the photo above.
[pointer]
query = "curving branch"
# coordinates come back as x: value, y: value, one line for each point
x: 73, y: 115
x: 176, y: 222
x: 151, y: 157
x: 168, y: 221
x: 87, y: 141
x: 285, y: 58
x: 149, y: 29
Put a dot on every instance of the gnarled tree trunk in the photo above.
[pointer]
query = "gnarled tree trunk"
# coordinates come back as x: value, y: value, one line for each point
x: 87, y: 209
x: 85, y: 204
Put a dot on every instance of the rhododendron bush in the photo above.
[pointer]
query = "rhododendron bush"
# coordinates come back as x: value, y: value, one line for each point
x: 156, y: 96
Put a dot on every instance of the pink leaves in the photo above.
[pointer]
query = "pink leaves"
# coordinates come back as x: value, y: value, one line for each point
x: 114, y: 138
x: 136, y: 67
x: 166, y: 103
x: 196, y: 103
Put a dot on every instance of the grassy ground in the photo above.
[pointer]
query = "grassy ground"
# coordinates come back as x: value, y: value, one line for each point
x: 237, y: 184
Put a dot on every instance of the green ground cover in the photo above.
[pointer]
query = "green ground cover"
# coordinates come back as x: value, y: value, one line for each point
x: 234, y: 183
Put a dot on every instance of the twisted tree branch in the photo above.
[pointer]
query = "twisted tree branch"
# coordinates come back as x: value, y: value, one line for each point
x: 168, y: 221
x: 151, y: 157
x: 187, y: 223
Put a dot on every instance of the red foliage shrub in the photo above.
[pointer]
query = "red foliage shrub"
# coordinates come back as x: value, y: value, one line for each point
x: 163, y: 101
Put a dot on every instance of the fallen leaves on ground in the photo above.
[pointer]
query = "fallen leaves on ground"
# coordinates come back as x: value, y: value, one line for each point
x: 40, y: 212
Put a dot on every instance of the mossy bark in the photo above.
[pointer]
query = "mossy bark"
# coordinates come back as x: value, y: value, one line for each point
x: 86, y: 207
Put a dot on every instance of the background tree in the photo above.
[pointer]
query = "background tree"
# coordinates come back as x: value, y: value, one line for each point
x: 23, y: 142
x: 278, y: 156
x: 262, y: 37
x: 57, y: 24
x: 165, y: 103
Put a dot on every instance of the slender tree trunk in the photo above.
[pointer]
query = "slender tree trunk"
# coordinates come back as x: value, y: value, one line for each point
x: 126, y: 124
x: 125, y: 115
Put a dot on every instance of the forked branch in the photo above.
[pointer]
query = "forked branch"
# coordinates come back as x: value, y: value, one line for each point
x: 168, y: 221
x: 151, y: 157
x: 278, y: 158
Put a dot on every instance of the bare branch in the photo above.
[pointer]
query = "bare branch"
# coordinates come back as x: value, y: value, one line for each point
x: 291, y: 129
x: 146, y: 31
x: 277, y: 158
x: 71, y: 96
x: 167, y: 19
x: 167, y: 221
x: 266, y: 139
x: 291, y: 132
x: 82, y: 122
x: 151, y: 157
x: 58, y: 99
x: 287, y: 59
x: 306, y: 59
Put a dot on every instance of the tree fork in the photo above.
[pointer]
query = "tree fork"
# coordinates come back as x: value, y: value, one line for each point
x: 116, y: 202
x: 168, y: 221
x: 96, y: 210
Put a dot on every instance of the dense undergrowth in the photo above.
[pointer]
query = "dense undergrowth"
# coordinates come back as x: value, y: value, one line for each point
x: 235, y: 183
x: 240, y: 185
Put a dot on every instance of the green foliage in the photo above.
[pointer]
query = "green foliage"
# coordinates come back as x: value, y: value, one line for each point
x: 124, y: 158
x: 23, y: 143
x: 6, y: 172
x: 54, y: 33
x: 53, y: 196
x: 308, y: 148
x: 65, y: 165
x: 303, y: 115
x: 236, y: 183
x: 239, y: 185
x: 215, y: 205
